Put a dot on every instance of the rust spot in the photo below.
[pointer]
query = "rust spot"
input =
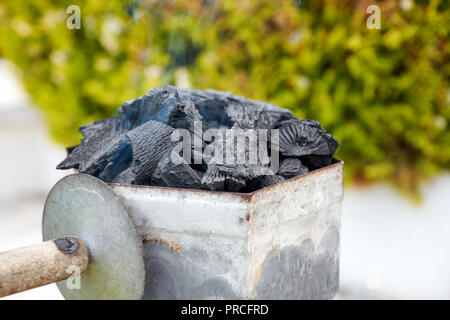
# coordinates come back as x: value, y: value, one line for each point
x: 247, y: 219
x: 273, y: 249
x: 172, y: 245
x: 256, y: 275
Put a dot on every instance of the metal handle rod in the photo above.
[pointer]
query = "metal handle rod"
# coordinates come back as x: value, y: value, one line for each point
x: 40, y: 264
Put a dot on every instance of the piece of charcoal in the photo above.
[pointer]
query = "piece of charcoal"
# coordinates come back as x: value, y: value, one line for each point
x: 220, y: 178
x: 125, y: 177
x: 305, y: 137
x: 223, y: 177
x: 162, y: 105
x: 104, y: 153
x: 267, y: 181
x: 117, y: 161
x: 169, y: 174
x: 114, y: 158
x: 233, y: 177
x: 150, y: 142
x: 248, y: 117
x: 291, y: 167
x: 283, y: 117
x: 166, y: 106
x: 316, y: 162
x: 262, y: 182
x: 101, y: 139
x: 219, y: 108
x: 199, y: 173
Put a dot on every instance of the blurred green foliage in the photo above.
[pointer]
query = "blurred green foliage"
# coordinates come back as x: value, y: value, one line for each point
x: 383, y: 93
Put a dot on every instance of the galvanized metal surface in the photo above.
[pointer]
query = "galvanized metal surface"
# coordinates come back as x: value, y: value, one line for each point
x: 281, y: 242
x: 294, y: 238
x: 84, y: 206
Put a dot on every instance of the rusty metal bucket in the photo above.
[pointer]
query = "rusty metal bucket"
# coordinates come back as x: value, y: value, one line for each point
x: 132, y: 242
x: 280, y: 242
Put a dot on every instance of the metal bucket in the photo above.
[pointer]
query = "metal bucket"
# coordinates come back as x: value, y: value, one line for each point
x: 280, y: 242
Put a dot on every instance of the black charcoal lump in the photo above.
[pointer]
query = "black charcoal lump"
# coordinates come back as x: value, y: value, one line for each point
x: 291, y: 167
x: 137, y: 146
x: 305, y: 137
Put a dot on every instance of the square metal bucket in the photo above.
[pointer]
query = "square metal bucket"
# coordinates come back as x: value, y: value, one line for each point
x: 280, y: 242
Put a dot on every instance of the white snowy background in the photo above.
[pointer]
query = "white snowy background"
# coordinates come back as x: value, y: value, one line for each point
x: 390, y: 248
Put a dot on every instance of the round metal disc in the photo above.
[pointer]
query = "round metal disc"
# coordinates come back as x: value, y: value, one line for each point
x: 83, y: 206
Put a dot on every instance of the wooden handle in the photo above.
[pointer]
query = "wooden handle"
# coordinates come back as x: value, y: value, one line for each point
x: 41, y: 264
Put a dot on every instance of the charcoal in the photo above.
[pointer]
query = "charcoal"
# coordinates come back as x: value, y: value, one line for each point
x: 291, y: 167
x: 222, y: 178
x: 162, y: 105
x: 266, y: 181
x: 246, y: 117
x: 150, y: 142
x: 125, y: 177
x: 199, y: 173
x: 101, y: 141
x: 305, y: 137
x: 233, y: 177
x: 283, y: 117
x: 316, y: 162
x: 106, y: 165
x: 262, y: 182
x: 170, y: 174
x: 219, y: 108
x: 136, y: 146
x: 101, y: 137
x: 117, y: 161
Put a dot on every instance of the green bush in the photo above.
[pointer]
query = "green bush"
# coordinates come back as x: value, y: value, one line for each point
x: 383, y: 93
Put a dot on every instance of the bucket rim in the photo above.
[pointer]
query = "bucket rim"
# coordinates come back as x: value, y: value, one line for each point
x: 247, y: 196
